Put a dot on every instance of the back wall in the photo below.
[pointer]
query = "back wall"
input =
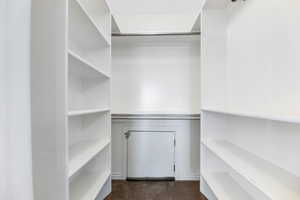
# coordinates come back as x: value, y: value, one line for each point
x: 156, y: 75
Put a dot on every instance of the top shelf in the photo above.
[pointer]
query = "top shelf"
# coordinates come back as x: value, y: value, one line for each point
x: 288, y: 119
x: 215, y: 4
x: 90, y: 18
x: 220, y: 4
x: 93, y: 21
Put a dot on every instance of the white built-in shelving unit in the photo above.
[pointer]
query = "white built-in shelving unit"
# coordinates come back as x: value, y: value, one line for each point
x: 88, y: 98
x: 71, y: 99
x: 250, y: 122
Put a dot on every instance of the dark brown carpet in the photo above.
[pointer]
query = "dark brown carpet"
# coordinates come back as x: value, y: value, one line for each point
x: 152, y: 190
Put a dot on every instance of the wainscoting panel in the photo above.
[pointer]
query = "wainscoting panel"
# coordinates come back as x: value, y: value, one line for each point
x: 187, y: 134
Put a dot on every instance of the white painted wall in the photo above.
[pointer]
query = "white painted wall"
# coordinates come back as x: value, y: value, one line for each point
x: 187, y: 155
x: 15, y: 138
x: 257, y: 44
x: 275, y: 90
x: 156, y: 74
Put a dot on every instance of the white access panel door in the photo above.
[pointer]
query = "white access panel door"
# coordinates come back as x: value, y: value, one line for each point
x: 151, y: 154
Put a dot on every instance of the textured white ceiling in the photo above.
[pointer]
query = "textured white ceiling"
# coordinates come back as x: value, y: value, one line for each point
x: 155, y: 16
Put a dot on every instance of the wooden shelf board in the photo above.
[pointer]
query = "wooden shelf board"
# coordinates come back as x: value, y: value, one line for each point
x: 225, y: 187
x: 255, y: 170
x: 86, y: 112
x: 83, y: 152
x: 289, y: 119
x: 88, y: 65
x: 87, y: 185
x: 94, y: 23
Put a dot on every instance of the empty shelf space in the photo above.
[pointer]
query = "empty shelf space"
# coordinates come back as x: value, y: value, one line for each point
x: 225, y: 187
x: 273, y: 181
x: 85, y: 40
x: 86, y: 112
x: 83, y: 152
x: 84, y: 67
x: 87, y: 185
x: 87, y: 95
x: 289, y: 119
x: 83, y: 13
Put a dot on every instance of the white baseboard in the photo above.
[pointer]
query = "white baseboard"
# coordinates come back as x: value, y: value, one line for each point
x: 188, y: 178
x: 117, y: 176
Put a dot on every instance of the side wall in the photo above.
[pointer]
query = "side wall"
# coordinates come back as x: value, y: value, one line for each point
x: 15, y: 138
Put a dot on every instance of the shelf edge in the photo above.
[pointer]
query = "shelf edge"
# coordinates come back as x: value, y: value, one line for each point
x: 240, y: 171
x: 85, y: 62
x: 255, y: 116
x: 100, y: 149
x: 86, y: 112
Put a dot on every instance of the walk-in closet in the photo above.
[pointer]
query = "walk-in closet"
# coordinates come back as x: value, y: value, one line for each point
x: 149, y: 100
